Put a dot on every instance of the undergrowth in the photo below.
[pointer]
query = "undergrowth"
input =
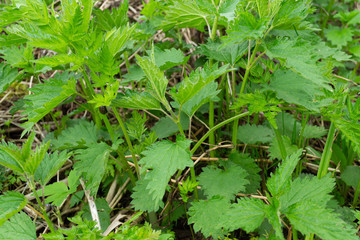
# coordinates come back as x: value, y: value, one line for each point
x: 223, y: 119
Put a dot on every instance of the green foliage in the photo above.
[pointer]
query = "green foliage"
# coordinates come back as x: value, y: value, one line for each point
x: 92, y: 164
x: 166, y: 127
x: 168, y: 58
x: 19, y: 227
x: 249, y: 165
x: 50, y: 165
x: 204, y: 212
x: 136, y: 125
x: 163, y: 159
x: 192, y: 85
x: 107, y: 20
x: 230, y: 53
x: 351, y: 176
x: 272, y: 61
x: 187, y: 186
x: 134, y: 100
x: 24, y: 161
x: 57, y: 192
x: 225, y: 183
x: 10, y: 204
x: 295, y: 89
x: 157, y: 80
x: 46, y: 97
x: 79, y: 135
x: 252, y: 134
x: 185, y: 14
x: 7, y: 76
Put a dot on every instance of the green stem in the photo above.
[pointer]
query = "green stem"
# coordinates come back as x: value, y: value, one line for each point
x: 311, y: 237
x: 153, y: 219
x: 91, y: 93
x: 108, y: 127
x: 211, y: 103
x: 127, y: 168
x: 356, y: 196
x: 246, y: 76
x: 281, y: 144
x: 295, y: 235
x: 325, y: 157
x: 303, y: 124
x: 42, y: 209
x: 127, y: 138
x: 180, y: 127
x: 236, y: 117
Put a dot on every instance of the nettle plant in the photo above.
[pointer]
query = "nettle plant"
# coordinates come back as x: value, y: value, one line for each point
x: 261, y: 62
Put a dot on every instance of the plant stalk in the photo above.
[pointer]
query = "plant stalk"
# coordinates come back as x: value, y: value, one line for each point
x: 211, y: 103
x: 128, y: 141
x: 325, y: 157
x: 42, y: 209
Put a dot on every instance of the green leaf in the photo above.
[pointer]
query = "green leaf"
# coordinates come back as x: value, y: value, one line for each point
x: 290, y: 13
x: 206, y: 214
x: 273, y: 216
x: 339, y: 36
x: 117, y: 38
x: 279, y: 183
x: 135, y: 100
x: 46, y: 97
x: 350, y: 18
x: 102, y: 61
x: 10, y: 204
x: 308, y: 217
x: 10, y: 160
x: 295, y: 89
x: 185, y: 14
x: 207, y: 93
x: 156, y: 78
x: 228, y: 53
x: 245, y: 27
x: 227, y: 9
x: 18, y: 56
x: 19, y: 227
x: 308, y: 188
x: 61, y: 59
x: 301, y: 57
x: 259, y: 102
x: 92, y: 163
x: 107, y: 20
x: 351, y: 176
x: 163, y: 159
x: 56, y: 193
x: 8, y: 75
x: 50, y: 165
x: 226, y: 183
x: 197, y: 80
x: 311, y: 131
x: 168, y: 58
x: 247, y: 214
x: 253, y: 134
x: 83, y: 133
x: 166, y: 127
x: 249, y: 165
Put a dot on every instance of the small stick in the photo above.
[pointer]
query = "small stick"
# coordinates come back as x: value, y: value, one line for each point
x: 92, y: 206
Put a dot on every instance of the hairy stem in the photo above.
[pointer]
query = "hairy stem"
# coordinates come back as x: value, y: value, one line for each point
x: 325, y: 157
x: 127, y: 138
x: 42, y: 209
x: 211, y: 103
